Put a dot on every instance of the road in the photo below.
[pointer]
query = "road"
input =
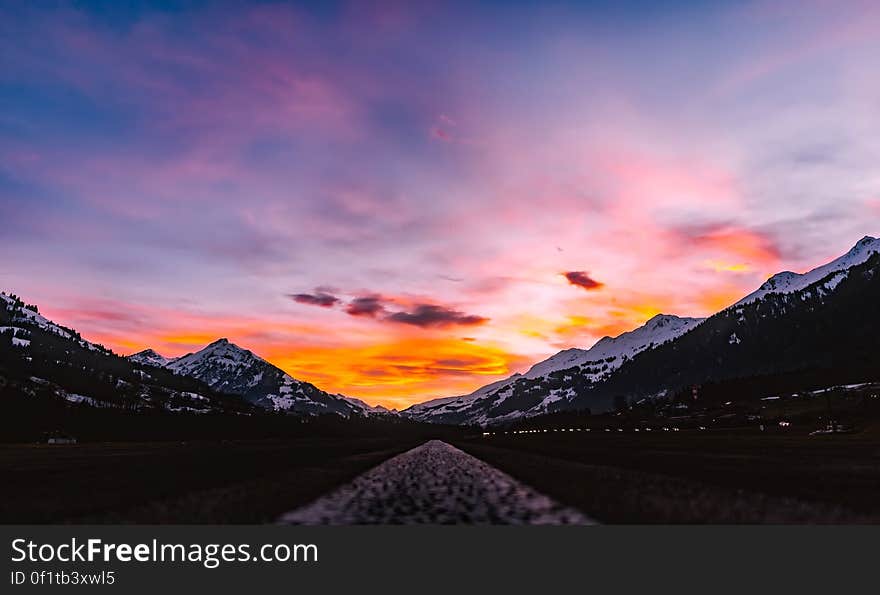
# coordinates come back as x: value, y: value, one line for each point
x: 434, y: 483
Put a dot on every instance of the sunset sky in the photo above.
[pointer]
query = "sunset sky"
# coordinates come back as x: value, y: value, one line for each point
x: 403, y: 200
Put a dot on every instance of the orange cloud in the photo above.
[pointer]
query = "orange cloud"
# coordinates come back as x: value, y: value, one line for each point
x: 751, y: 246
x: 393, y: 370
x: 574, y: 325
x: 400, y: 371
x: 729, y: 248
x: 721, y: 267
x: 718, y: 299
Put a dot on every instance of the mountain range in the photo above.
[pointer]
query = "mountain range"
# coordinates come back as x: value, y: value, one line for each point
x: 44, y: 361
x: 228, y: 368
x: 39, y: 358
x: 820, y: 325
x: 591, y: 365
x: 825, y: 319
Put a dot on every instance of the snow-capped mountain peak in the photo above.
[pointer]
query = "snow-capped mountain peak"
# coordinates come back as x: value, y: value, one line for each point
x: 613, y: 350
x: 149, y: 357
x: 219, y: 355
x: 789, y: 282
x: 228, y: 368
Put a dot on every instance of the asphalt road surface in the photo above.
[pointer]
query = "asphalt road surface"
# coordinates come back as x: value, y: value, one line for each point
x: 434, y: 483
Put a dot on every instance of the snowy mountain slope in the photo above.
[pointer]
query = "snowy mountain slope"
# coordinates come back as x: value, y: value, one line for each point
x: 613, y: 350
x: 825, y: 333
x: 28, y: 315
x: 593, y: 364
x: 230, y: 369
x: 434, y: 406
x: 789, y: 282
x: 369, y: 409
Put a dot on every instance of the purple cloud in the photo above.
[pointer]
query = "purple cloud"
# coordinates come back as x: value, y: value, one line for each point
x: 430, y: 315
x: 318, y: 298
x: 368, y: 305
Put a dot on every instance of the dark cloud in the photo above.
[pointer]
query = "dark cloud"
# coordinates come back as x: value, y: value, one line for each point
x: 430, y: 315
x: 318, y: 298
x: 368, y: 305
x: 421, y: 315
x: 582, y: 279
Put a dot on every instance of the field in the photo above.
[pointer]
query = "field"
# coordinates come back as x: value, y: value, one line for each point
x: 176, y: 482
x: 697, y: 477
x: 690, y: 476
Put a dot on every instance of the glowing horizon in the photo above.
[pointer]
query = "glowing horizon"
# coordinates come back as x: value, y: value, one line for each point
x: 403, y: 201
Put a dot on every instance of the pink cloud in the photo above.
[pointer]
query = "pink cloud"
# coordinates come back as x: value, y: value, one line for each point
x: 441, y: 134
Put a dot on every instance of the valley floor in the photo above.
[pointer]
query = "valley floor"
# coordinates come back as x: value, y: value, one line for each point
x: 681, y: 477
x: 697, y: 477
x: 243, y: 481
